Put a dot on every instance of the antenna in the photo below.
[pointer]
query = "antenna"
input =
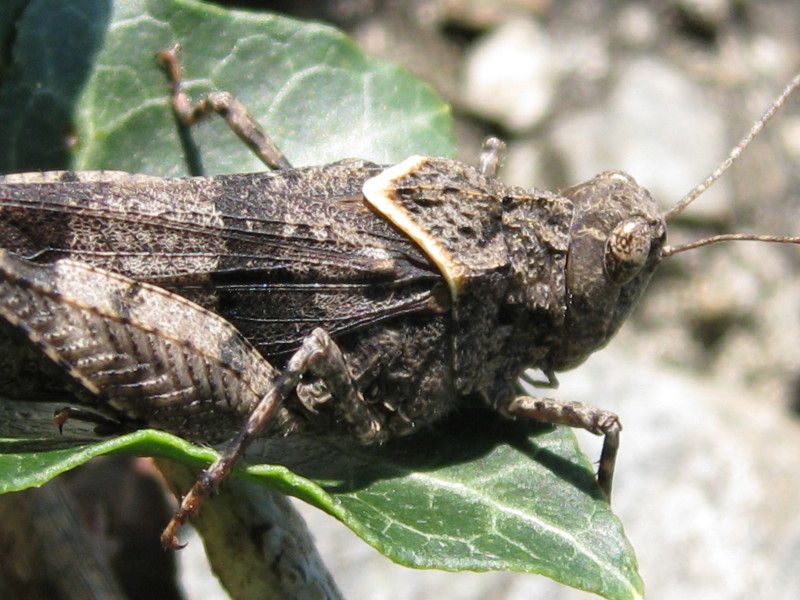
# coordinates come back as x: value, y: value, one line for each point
x: 736, y: 151
x: 727, y: 237
x: 709, y: 181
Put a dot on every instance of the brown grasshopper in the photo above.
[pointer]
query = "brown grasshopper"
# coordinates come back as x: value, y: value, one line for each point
x: 352, y: 298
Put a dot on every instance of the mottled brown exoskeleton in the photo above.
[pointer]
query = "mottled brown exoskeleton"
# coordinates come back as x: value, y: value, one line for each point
x: 351, y: 298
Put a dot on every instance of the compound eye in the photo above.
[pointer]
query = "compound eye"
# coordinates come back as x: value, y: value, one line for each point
x: 627, y: 249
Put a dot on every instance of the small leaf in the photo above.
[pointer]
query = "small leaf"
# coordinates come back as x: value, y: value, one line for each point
x: 476, y: 493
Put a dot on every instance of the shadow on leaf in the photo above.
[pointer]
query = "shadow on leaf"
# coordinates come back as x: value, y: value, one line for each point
x: 470, y: 435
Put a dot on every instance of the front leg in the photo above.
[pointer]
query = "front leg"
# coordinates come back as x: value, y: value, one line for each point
x: 319, y: 355
x: 575, y: 414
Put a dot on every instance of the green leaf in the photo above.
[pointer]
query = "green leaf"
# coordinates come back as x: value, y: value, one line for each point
x: 478, y: 492
x: 100, y: 101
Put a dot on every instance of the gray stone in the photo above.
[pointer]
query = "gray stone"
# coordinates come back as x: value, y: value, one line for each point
x: 658, y: 127
x: 509, y: 76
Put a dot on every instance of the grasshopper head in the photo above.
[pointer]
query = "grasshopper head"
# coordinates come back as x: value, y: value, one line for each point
x: 616, y: 238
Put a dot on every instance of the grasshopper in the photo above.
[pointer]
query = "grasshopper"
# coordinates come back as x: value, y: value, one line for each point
x: 352, y: 298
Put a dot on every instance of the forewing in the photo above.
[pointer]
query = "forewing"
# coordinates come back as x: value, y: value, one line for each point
x: 276, y: 253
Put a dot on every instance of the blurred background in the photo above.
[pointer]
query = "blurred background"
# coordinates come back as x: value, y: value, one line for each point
x: 706, y: 375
